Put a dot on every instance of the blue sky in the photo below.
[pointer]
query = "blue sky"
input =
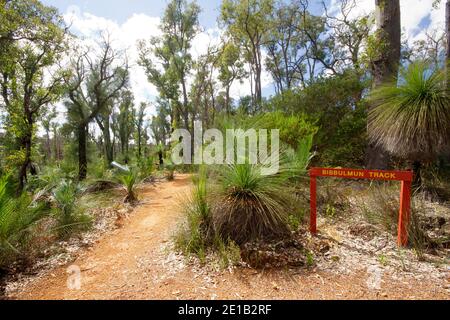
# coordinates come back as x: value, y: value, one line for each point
x: 121, y: 10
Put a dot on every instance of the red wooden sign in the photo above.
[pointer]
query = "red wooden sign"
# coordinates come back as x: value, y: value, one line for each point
x: 405, y: 177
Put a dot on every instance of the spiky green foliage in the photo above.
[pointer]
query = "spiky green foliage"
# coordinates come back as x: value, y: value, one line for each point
x: 200, y: 200
x: 69, y: 215
x: 18, y: 216
x: 195, y: 235
x: 129, y: 181
x: 300, y: 158
x: 412, y: 119
x: 49, y: 178
x: 249, y: 205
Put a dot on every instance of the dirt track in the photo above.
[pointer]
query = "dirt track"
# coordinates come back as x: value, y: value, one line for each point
x: 133, y: 262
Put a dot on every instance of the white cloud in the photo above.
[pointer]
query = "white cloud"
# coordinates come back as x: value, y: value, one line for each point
x: 244, y: 88
x: 124, y: 37
x: 204, y: 40
x: 413, y: 12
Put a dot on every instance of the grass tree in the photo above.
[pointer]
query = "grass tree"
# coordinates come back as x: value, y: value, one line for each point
x: 249, y: 205
x: 129, y: 181
x: 412, y: 119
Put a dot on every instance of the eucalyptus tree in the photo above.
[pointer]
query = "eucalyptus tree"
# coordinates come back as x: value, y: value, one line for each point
x: 295, y: 44
x: 47, y: 123
x: 385, y: 63
x: 160, y: 125
x: 431, y: 47
x: 167, y: 59
x: 204, y: 89
x: 436, y: 4
x: 140, y: 128
x: 231, y: 69
x: 32, y: 41
x: 302, y: 46
x: 200, y: 93
x: 105, y: 121
x: 247, y: 23
x: 447, y: 29
x: 286, y: 46
x: 21, y: 20
x: 92, y: 86
x: 347, y: 36
x: 125, y: 122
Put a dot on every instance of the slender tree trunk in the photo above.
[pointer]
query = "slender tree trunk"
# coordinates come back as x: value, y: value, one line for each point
x: 258, y: 89
x: 48, y: 151
x: 188, y: 127
x: 82, y: 152
x: 213, y: 103
x: 161, y: 159
x: 109, y: 152
x: 139, y: 144
x: 185, y: 104
x: 256, y: 52
x: 227, y: 100
x: 26, y: 145
x: 385, y: 67
x: 122, y: 147
x: 54, y: 145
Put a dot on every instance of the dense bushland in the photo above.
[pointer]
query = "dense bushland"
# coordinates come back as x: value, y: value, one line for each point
x: 347, y: 92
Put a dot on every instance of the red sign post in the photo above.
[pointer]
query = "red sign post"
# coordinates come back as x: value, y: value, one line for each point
x: 405, y: 177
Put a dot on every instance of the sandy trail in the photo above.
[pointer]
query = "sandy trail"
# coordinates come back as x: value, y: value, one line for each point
x: 133, y: 263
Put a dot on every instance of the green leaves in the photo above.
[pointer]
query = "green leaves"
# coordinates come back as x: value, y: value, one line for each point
x: 32, y: 41
x: 69, y: 214
x: 17, y: 217
x: 129, y: 181
x: 173, y: 61
x: 248, y: 205
x: 412, y: 119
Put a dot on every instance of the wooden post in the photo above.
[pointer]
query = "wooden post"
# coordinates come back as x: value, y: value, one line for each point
x: 404, y: 214
x: 313, y: 203
x: 405, y: 177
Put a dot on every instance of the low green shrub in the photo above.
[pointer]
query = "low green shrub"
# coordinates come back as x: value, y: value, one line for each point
x: 296, y: 219
x: 19, y: 217
x: 68, y: 213
x: 129, y: 181
x: 195, y: 236
x: 229, y: 253
x: 146, y: 166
